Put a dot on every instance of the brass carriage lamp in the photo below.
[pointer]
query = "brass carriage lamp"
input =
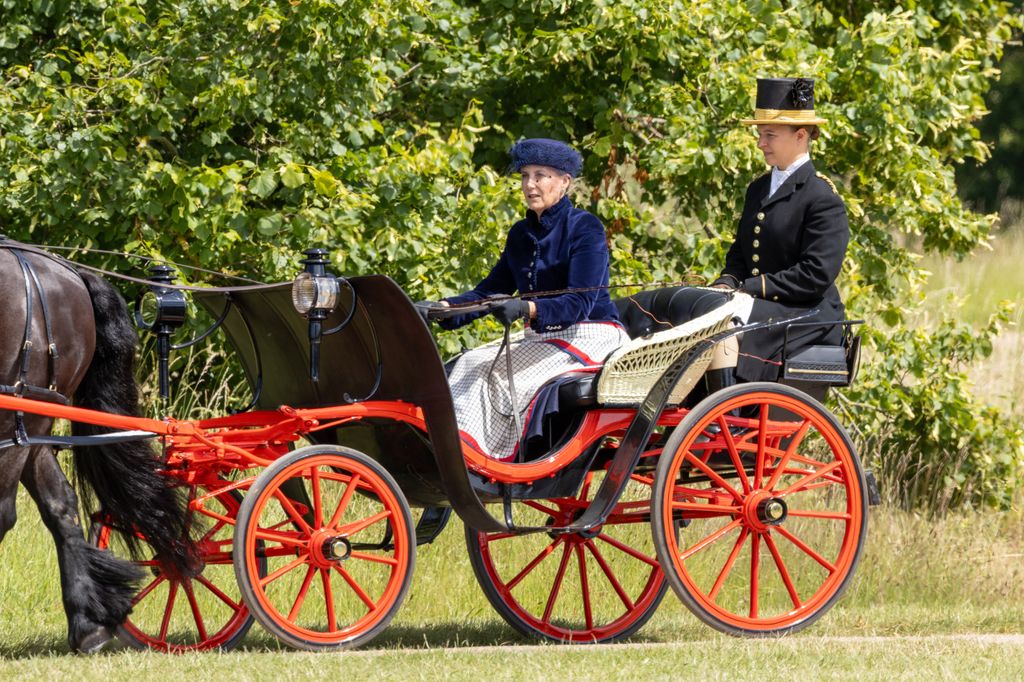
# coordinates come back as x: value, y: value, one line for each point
x: 314, y: 296
x: 161, y: 310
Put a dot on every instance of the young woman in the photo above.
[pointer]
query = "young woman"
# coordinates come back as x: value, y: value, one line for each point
x: 790, y: 242
x: 555, y: 247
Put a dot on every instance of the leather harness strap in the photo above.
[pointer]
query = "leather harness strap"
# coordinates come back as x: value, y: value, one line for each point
x: 22, y: 388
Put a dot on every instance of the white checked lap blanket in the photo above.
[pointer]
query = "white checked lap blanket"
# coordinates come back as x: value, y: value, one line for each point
x: 480, y: 386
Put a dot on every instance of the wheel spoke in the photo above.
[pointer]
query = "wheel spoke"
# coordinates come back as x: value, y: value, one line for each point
x: 719, y: 509
x: 144, y: 592
x: 626, y: 601
x: 290, y: 566
x: 734, y: 454
x: 762, y: 437
x: 636, y: 554
x: 780, y: 467
x: 293, y: 513
x: 541, y: 508
x: 300, y: 597
x: 343, y: 502
x: 838, y: 516
x: 727, y: 568
x: 318, y: 511
x: 755, y: 564
x: 168, y: 610
x: 356, y: 587
x: 213, y: 530
x: 556, y: 586
x: 735, y: 523
x: 356, y: 526
x: 332, y: 619
x: 284, y: 538
x: 713, y: 475
x: 780, y: 564
x: 544, y: 553
x: 217, y: 592
x: 196, y: 615
x: 807, y: 550
x: 584, y: 587
x: 810, y: 477
x: 389, y: 560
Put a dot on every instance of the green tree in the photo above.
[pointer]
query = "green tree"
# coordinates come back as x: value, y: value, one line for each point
x: 233, y: 133
x: 988, y: 184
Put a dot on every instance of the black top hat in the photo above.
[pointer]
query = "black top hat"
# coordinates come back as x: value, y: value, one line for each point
x: 785, y: 101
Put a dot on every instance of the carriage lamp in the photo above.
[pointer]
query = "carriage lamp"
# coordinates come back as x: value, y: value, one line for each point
x: 314, y: 296
x: 314, y: 292
x: 161, y: 310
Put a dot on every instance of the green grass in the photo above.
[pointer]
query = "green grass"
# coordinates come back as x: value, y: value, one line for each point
x: 984, y: 280
x: 973, y: 289
x: 920, y: 586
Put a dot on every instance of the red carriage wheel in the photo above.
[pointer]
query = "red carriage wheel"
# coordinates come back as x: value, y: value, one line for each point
x: 175, y: 613
x: 772, y: 499
x: 338, y: 538
x: 591, y: 587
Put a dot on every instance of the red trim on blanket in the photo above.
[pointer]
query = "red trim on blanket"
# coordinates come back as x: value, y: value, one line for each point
x: 573, y: 352
x: 610, y: 323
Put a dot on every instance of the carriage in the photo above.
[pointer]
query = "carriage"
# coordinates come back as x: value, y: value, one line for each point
x: 308, y: 506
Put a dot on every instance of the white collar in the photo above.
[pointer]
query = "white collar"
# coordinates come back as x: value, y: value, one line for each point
x: 780, y: 176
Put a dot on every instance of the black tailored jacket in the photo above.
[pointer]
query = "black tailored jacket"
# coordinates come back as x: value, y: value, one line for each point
x: 788, y: 251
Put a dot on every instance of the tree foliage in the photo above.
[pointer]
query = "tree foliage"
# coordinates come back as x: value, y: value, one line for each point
x: 231, y: 134
x: 989, y: 184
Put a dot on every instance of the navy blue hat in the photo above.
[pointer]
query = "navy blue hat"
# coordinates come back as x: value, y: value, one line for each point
x: 544, y: 152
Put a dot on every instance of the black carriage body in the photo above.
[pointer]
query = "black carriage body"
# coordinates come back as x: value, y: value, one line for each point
x: 385, y: 335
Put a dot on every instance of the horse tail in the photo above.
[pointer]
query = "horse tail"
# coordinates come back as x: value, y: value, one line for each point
x: 125, y: 478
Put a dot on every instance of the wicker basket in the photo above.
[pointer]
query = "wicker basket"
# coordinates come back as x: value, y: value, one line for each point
x: 631, y: 371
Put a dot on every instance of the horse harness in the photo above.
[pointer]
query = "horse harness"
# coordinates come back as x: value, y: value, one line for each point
x: 22, y: 388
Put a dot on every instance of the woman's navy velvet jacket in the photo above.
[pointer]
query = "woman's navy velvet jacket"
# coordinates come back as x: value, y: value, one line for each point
x: 564, y: 249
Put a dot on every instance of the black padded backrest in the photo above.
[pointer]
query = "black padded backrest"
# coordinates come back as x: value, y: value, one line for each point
x: 656, y: 310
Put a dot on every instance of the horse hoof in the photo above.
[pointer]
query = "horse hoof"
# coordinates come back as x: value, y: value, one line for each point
x: 94, y: 641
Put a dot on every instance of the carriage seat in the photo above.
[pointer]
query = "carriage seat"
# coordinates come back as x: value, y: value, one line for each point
x: 657, y: 310
x: 661, y: 323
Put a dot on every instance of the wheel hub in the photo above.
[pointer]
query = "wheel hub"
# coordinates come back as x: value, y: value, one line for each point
x: 762, y: 510
x: 327, y: 548
x: 336, y: 549
x: 772, y: 511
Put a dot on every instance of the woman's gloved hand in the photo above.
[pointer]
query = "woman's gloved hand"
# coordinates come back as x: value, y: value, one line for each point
x: 509, y: 311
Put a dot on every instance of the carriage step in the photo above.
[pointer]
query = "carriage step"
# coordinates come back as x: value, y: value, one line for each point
x: 431, y: 523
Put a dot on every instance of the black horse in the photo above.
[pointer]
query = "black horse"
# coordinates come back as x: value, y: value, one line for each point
x: 65, y: 332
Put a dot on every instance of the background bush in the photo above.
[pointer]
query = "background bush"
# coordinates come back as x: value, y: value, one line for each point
x: 231, y: 134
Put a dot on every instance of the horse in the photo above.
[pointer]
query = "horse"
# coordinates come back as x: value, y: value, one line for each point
x: 67, y: 332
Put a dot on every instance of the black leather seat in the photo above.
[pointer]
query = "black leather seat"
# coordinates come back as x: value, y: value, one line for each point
x: 642, y: 314
x: 656, y: 310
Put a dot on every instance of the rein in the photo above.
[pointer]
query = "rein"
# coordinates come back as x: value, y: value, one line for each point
x: 253, y: 285
x: 7, y: 243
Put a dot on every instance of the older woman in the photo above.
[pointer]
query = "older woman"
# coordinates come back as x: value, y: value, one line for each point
x: 556, y: 247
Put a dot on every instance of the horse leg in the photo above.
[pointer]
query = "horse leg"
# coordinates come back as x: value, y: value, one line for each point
x: 12, y: 461
x: 97, y: 588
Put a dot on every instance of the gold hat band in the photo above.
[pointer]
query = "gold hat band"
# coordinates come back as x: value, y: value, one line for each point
x: 785, y: 116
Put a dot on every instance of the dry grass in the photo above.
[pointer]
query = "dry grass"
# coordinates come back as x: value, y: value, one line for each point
x: 976, y: 287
